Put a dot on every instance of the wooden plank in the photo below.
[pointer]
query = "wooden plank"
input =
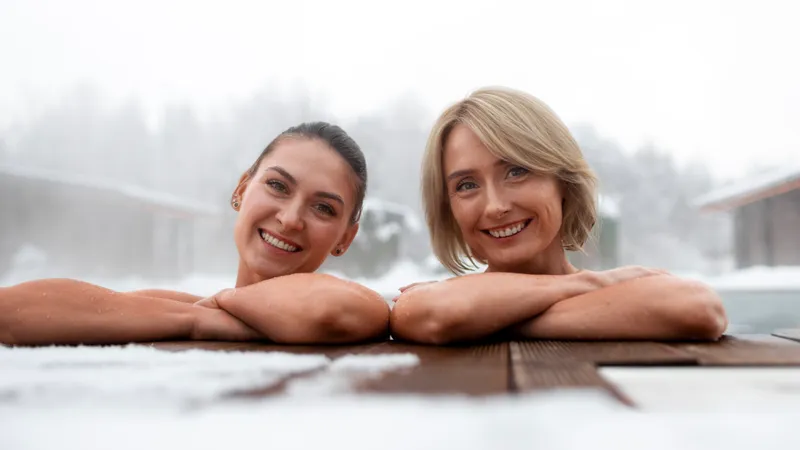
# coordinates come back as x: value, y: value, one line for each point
x: 473, y: 370
x: 717, y: 389
x: 792, y: 334
x: 530, y: 373
x: 604, y: 353
x: 732, y: 351
x: 478, y: 370
x: 493, y: 353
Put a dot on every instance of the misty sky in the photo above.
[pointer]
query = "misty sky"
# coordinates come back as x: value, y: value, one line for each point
x: 709, y: 80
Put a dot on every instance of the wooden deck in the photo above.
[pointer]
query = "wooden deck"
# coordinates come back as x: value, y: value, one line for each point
x: 514, y: 368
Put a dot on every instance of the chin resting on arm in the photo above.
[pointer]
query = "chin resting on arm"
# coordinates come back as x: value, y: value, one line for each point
x: 476, y: 306
x: 661, y: 307
x: 308, y: 308
x: 64, y: 311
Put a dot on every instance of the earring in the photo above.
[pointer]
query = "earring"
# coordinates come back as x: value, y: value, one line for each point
x: 235, y: 204
x: 338, y: 251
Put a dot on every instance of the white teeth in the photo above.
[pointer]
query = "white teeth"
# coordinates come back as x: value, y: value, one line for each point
x: 277, y: 242
x: 510, y: 231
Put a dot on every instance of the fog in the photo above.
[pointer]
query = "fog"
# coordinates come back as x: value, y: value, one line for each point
x: 125, y: 127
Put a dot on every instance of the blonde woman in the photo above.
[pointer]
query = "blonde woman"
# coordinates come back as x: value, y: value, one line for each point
x: 505, y: 184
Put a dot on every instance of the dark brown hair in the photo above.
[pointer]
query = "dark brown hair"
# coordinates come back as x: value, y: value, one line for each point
x: 338, y: 140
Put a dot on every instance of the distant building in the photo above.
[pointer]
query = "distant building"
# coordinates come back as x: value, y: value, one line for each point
x: 766, y: 216
x: 93, y: 227
x: 382, y: 240
x: 601, y: 251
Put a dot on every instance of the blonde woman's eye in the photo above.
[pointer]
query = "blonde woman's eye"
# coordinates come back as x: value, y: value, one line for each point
x: 466, y: 185
x: 517, y: 171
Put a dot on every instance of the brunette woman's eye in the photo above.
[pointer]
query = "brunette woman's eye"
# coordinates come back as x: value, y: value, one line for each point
x: 277, y: 185
x: 326, y: 209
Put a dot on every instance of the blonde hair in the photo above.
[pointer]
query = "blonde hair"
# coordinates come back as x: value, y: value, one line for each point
x: 515, y: 127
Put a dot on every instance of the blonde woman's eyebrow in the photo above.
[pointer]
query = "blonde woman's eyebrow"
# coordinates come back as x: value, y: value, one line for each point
x: 460, y: 173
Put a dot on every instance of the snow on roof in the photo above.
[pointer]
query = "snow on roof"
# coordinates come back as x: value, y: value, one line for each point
x: 751, y: 189
x: 146, y: 196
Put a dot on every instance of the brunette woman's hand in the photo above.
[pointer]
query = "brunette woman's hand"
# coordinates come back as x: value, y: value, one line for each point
x: 212, y: 323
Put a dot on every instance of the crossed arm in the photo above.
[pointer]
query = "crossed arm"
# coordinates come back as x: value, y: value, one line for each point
x: 653, y: 306
x: 299, y: 309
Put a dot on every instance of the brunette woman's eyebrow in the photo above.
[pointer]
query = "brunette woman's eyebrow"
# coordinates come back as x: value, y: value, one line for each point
x: 330, y: 196
x: 283, y: 172
x: 293, y: 181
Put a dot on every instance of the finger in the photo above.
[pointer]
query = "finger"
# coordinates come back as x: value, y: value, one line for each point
x: 407, y: 287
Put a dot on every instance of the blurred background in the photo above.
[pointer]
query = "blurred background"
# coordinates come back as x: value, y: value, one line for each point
x: 124, y: 127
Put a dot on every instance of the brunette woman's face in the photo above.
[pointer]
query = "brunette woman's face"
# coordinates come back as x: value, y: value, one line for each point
x: 295, y: 209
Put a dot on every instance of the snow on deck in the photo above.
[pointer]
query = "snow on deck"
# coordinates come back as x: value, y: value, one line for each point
x: 554, y: 422
x: 130, y: 397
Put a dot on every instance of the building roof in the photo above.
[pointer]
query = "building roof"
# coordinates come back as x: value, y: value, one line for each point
x: 145, y: 197
x: 751, y: 189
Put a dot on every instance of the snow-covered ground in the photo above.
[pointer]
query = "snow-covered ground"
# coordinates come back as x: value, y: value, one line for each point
x: 564, y: 421
x: 134, y: 397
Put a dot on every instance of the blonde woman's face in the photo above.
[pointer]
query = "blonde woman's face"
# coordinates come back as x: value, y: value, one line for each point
x: 508, y: 215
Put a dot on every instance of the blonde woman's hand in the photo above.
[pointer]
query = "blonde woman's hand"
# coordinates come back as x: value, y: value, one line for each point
x: 411, y: 286
x: 611, y: 277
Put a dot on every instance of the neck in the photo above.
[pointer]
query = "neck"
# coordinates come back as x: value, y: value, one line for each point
x: 552, y: 261
x: 245, y: 277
